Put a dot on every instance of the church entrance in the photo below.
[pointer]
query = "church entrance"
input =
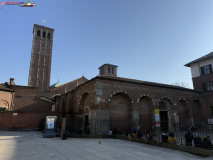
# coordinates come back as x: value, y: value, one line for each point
x: 163, y: 120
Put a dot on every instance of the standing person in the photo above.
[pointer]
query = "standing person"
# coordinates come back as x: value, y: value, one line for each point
x: 194, y: 131
x: 188, y: 138
x: 116, y: 130
x: 164, y: 137
x: 88, y: 129
x: 110, y: 132
x: 80, y: 131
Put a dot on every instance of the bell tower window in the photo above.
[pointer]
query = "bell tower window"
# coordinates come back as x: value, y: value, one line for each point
x: 44, y: 34
x: 38, y: 32
x: 108, y: 69
x: 48, y: 35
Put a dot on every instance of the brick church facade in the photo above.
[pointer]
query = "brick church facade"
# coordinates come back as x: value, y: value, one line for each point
x: 107, y: 100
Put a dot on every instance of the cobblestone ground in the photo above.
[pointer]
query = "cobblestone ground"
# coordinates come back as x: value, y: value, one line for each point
x: 17, y: 145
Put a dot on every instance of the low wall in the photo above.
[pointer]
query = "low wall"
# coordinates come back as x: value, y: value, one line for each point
x: 19, y: 120
x: 193, y: 150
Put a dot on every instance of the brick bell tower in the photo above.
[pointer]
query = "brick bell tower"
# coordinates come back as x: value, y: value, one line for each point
x: 41, y: 56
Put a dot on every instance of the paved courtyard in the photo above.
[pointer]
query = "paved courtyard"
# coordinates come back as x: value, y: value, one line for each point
x: 18, y: 145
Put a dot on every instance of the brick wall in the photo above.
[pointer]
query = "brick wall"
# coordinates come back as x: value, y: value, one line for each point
x: 6, y: 98
x: 25, y: 99
x: 22, y: 120
x: 68, y: 86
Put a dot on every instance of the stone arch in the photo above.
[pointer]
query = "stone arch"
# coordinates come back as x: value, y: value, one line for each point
x: 166, y: 113
x: 84, y: 101
x: 120, y: 106
x: 184, y: 114
x: 144, y: 108
x: 197, y: 112
x: 84, y: 110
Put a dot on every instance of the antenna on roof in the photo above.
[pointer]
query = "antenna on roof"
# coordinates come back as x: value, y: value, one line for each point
x: 43, y: 21
x: 58, y: 79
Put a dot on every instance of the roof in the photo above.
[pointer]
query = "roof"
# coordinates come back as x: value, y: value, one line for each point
x: 108, y: 65
x: 68, y: 83
x: 46, y: 97
x: 56, y: 84
x: 141, y: 82
x: 5, y: 87
x: 210, y: 55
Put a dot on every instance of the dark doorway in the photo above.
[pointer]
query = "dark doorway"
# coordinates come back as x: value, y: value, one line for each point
x: 86, y: 122
x: 163, y: 121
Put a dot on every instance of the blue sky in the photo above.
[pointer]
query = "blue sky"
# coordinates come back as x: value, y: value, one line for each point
x: 149, y: 40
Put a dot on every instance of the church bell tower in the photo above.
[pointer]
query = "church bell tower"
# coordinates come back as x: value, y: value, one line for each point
x: 41, y: 56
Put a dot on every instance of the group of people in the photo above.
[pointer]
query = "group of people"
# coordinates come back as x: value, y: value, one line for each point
x: 189, y: 137
x: 192, y: 135
x: 88, y: 130
x: 116, y: 131
x: 135, y: 133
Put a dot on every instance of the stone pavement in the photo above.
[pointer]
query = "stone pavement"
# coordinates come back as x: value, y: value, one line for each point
x: 18, y: 145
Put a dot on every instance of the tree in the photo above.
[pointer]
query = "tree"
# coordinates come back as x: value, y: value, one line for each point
x: 181, y: 84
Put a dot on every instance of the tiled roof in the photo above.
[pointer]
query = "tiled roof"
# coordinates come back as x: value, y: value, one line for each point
x: 142, y: 82
x: 210, y: 55
x: 5, y: 87
x: 67, y: 83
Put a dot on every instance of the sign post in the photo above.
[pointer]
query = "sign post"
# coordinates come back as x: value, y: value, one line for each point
x: 50, y: 127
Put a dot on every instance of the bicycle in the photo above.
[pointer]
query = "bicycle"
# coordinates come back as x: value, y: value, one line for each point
x: 153, y: 139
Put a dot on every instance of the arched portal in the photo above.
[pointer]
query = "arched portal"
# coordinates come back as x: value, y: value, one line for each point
x: 84, y: 111
x: 3, y: 105
x: 145, y: 105
x: 184, y: 115
x: 197, y: 113
x: 120, y: 107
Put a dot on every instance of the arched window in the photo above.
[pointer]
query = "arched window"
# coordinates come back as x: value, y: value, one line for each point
x: 44, y: 34
x: 48, y: 35
x: 108, y: 69
x: 38, y: 32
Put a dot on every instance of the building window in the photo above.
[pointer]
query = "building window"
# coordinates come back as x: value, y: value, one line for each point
x: 112, y: 70
x: 108, y: 69
x: 206, y: 69
x: 38, y: 32
x: 209, y: 86
x: 44, y: 34
x: 211, y: 110
x: 48, y: 35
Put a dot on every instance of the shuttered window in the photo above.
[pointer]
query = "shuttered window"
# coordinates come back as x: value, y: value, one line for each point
x: 112, y: 70
x: 108, y: 69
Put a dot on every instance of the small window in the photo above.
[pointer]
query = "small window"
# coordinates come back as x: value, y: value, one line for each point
x: 206, y: 69
x: 48, y: 35
x: 209, y: 86
x: 211, y: 110
x: 112, y: 70
x: 38, y: 33
x: 108, y: 69
x: 44, y: 34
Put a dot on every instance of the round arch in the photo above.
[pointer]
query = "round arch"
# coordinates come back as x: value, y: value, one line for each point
x: 145, y: 106
x: 197, y: 112
x: 120, y: 107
